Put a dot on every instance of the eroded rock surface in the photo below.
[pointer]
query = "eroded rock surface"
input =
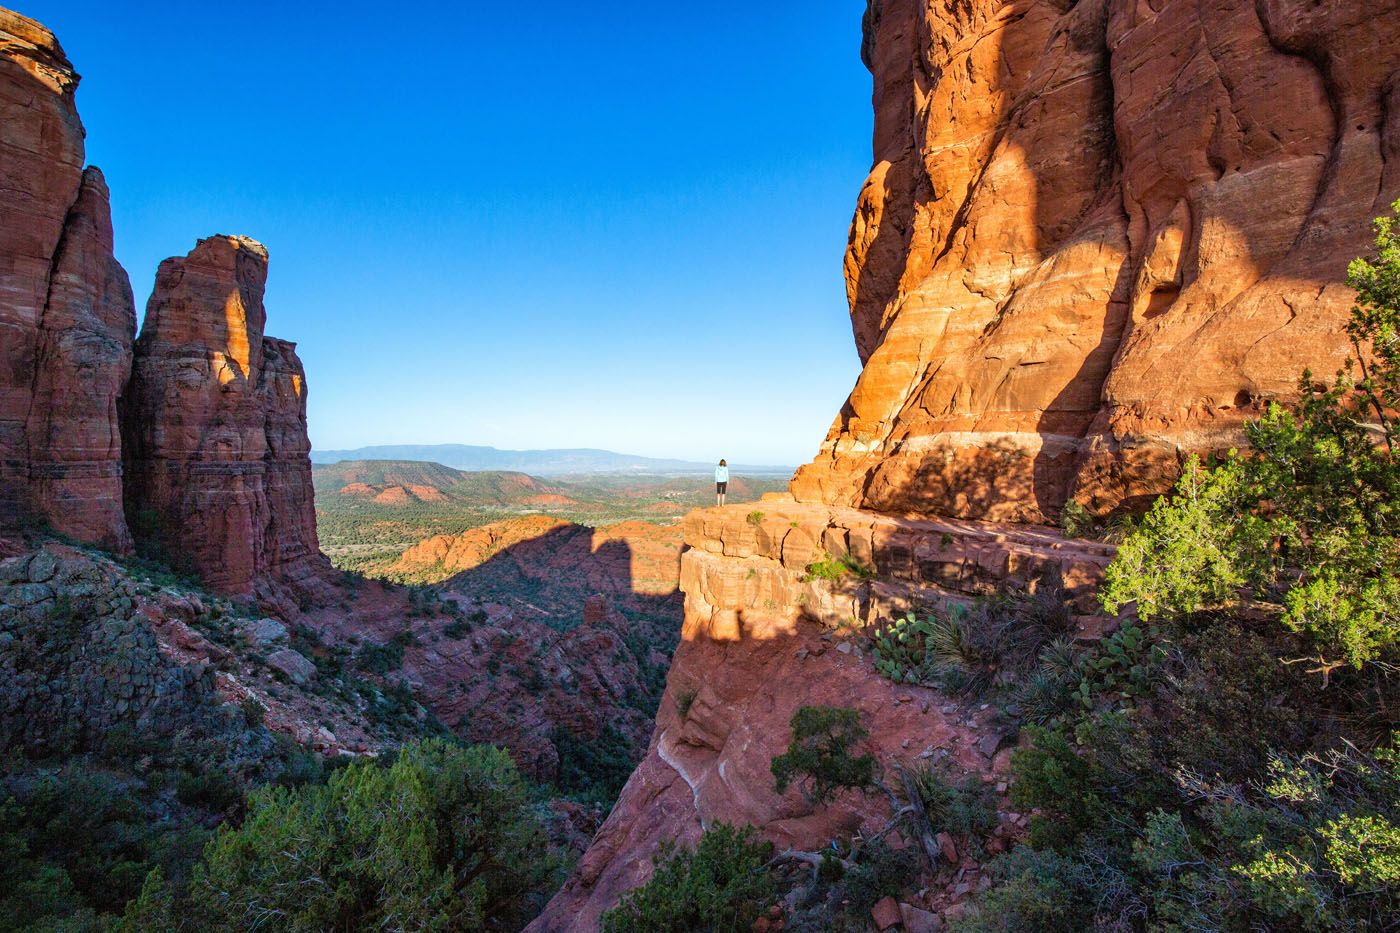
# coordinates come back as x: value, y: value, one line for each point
x: 66, y: 314
x: 218, y: 472
x: 1096, y: 237
x: 763, y: 637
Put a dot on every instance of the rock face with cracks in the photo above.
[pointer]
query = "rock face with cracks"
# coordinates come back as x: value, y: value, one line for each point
x: 1097, y: 237
x: 66, y: 314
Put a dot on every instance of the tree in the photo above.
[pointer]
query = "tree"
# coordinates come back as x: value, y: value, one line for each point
x: 819, y: 755
x: 1309, y: 519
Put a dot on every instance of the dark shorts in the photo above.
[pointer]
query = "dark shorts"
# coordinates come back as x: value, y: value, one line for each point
x: 721, y: 488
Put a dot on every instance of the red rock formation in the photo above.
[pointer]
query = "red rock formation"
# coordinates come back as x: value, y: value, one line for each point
x: 214, y: 427
x: 1097, y: 236
x: 760, y: 640
x: 66, y: 313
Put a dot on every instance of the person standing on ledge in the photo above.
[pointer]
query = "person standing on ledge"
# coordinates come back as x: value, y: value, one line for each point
x: 721, y: 482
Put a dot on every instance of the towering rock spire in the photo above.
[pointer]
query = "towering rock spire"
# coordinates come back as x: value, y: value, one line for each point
x: 66, y: 314
x: 218, y: 472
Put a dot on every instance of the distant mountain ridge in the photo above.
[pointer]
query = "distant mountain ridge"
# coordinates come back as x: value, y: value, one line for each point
x: 397, y: 482
x: 550, y: 462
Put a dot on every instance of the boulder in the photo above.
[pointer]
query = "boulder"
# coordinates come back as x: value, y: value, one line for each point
x: 264, y: 632
x: 295, y: 666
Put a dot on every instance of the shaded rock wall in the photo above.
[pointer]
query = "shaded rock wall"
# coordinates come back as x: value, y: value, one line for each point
x: 1098, y: 236
x: 218, y: 469
x: 66, y: 313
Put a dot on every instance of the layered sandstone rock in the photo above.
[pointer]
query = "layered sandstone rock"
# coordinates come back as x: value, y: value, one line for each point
x: 1098, y: 236
x: 218, y: 472
x: 66, y: 314
x: 762, y: 638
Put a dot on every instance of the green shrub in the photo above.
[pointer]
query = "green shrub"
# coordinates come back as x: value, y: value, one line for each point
x: 1036, y: 890
x: 755, y: 518
x: 684, y: 700
x: 831, y: 568
x: 880, y: 871
x: 208, y: 788
x: 381, y: 659
x: 254, y: 714
x: 721, y: 886
x: 1051, y: 778
x: 969, y: 648
x: 444, y: 837
x: 75, y: 845
x: 820, y: 758
x: 1310, y: 520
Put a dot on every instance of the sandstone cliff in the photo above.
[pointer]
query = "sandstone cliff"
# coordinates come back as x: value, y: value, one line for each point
x: 761, y: 638
x: 1098, y: 236
x: 218, y: 472
x: 66, y: 314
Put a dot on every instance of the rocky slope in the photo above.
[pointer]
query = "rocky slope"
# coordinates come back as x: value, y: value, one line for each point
x: 66, y: 313
x: 1096, y: 237
x: 218, y: 469
x: 762, y: 637
x: 90, y: 648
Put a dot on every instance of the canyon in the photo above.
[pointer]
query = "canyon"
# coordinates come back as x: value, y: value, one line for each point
x: 1097, y: 237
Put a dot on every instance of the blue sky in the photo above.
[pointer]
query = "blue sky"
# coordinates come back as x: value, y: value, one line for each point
x: 546, y: 224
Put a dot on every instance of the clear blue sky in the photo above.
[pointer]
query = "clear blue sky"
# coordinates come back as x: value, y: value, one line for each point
x: 545, y: 224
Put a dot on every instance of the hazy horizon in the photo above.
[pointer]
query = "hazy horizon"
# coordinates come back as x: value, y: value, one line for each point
x: 550, y: 227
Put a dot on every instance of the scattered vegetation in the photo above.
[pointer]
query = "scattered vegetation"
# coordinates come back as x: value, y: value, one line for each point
x: 831, y: 568
x: 970, y: 648
x: 381, y: 659
x: 594, y: 770
x: 1230, y: 761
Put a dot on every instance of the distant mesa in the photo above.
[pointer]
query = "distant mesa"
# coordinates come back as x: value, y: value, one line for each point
x: 405, y: 482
